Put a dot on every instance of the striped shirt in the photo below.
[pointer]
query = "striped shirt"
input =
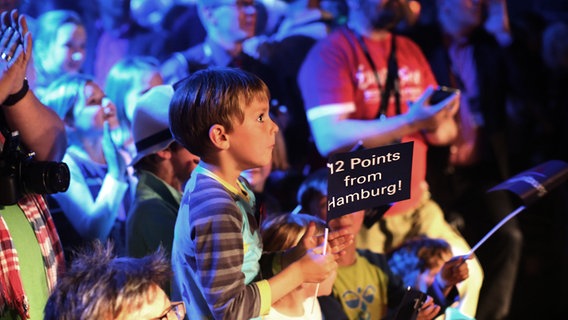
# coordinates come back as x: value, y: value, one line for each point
x: 216, y: 251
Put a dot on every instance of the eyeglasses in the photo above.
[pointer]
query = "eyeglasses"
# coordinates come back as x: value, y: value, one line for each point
x: 176, y: 311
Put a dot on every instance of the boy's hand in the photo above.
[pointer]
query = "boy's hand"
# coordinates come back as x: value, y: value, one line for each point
x: 315, y: 266
x: 308, y: 242
x: 338, y: 241
x: 429, y: 310
x: 455, y: 270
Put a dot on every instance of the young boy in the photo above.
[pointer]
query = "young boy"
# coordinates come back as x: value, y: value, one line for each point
x: 366, y: 286
x: 368, y: 289
x: 221, y: 115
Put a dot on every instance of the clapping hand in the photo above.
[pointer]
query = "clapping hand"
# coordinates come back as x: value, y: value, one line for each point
x: 115, y: 161
x: 15, y: 52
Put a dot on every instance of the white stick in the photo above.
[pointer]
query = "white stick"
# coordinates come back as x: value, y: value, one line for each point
x: 492, y: 231
x: 325, y: 235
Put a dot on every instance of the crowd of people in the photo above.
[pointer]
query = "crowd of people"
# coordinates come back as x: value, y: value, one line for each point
x: 191, y: 139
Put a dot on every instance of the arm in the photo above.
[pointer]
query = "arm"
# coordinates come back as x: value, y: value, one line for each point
x: 92, y: 218
x: 336, y: 132
x: 215, y: 228
x: 40, y: 128
x: 452, y: 273
x: 303, y: 263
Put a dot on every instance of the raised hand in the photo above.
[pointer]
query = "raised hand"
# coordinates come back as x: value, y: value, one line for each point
x: 115, y: 162
x: 15, y: 51
x: 428, y: 117
x: 315, y: 266
x: 455, y: 270
x: 338, y: 241
x: 429, y: 310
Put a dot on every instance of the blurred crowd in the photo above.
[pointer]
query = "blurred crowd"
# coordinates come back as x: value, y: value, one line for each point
x: 340, y: 74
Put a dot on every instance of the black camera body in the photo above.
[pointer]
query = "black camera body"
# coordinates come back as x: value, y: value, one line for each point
x: 20, y: 174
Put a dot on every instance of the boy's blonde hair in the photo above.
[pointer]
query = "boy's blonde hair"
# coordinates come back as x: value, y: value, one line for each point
x: 284, y: 231
x: 211, y: 96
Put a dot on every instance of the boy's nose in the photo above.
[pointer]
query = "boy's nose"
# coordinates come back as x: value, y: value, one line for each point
x: 275, y: 127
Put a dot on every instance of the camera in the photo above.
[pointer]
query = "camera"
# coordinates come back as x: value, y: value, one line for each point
x: 20, y: 174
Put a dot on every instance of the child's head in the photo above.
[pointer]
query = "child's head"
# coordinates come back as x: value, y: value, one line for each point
x: 312, y: 194
x: 419, y: 258
x: 128, y: 80
x: 60, y: 43
x: 282, y: 232
x: 208, y: 107
x: 101, y: 286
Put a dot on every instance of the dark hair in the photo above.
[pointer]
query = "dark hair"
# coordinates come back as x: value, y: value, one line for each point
x: 208, y: 97
x: 415, y: 255
x: 313, y: 185
x: 101, y: 286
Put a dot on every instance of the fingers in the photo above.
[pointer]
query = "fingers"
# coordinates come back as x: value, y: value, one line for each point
x: 4, y: 21
x: 27, y: 36
x: 425, y: 95
x: 428, y: 310
x: 308, y: 240
x: 13, y: 42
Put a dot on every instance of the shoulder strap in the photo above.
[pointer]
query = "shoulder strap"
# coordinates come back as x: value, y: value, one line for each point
x: 392, y: 81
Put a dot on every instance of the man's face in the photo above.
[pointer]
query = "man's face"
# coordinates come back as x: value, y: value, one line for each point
x: 382, y: 14
x: 467, y: 13
x: 235, y: 19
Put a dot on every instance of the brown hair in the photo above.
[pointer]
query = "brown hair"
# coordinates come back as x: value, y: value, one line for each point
x: 208, y: 97
x: 101, y: 286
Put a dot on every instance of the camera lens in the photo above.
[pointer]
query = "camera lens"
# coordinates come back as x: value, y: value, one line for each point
x: 45, y: 177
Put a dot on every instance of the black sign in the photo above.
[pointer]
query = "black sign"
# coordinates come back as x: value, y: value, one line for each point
x: 368, y: 178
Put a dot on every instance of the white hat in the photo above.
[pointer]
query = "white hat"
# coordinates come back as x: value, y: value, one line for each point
x: 150, y: 123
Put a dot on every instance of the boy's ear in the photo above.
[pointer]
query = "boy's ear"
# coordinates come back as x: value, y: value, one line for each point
x: 219, y: 137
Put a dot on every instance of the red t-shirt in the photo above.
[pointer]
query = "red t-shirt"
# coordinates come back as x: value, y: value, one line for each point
x: 336, y: 71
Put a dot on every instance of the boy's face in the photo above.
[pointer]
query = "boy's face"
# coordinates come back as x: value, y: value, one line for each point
x: 318, y: 206
x: 353, y: 222
x: 251, y: 142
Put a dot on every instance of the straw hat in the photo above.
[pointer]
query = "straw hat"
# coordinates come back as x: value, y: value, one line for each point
x: 150, y: 123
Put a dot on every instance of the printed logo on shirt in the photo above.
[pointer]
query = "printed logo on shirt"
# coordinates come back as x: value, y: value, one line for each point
x: 360, y: 300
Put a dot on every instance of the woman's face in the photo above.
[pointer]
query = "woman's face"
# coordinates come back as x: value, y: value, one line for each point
x: 68, y: 49
x: 147, y: 81
x: 91, y: 113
